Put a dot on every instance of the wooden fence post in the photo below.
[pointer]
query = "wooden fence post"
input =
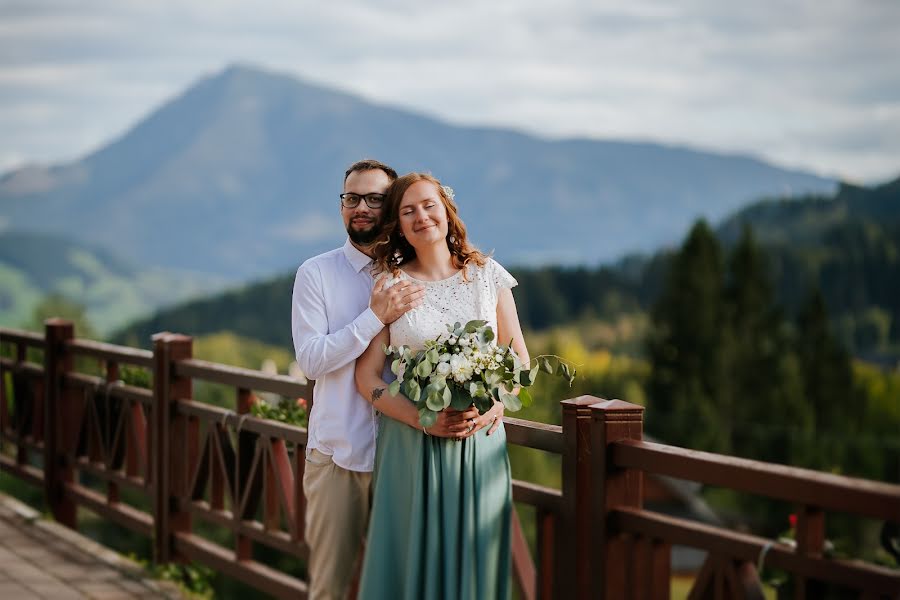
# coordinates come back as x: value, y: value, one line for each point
x: 169, y: 466
x: 573, y: 555
x: 57, y: 361
x: 613, y: 560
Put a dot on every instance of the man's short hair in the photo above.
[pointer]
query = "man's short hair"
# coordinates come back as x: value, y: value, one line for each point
x: 369, y: 164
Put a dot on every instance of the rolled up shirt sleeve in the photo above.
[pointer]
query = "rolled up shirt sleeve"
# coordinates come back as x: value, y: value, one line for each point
x: 319, y: 351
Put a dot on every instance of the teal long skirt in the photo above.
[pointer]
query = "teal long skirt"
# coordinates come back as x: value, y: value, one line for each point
x: 440, y: 521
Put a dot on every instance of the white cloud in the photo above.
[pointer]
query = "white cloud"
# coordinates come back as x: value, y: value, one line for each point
x: 763, y: 77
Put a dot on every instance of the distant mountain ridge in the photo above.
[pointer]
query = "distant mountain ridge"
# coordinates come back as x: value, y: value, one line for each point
x: 847, y: 244
x: 239, y: 176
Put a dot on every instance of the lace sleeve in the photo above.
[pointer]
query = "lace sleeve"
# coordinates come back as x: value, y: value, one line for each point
x: 500, y: 276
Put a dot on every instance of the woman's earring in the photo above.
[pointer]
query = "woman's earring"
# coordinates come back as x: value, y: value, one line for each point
x: 452, y: 239
x: 398, y: 256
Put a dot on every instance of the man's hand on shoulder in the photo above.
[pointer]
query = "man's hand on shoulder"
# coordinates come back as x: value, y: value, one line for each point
x: 389, y: 304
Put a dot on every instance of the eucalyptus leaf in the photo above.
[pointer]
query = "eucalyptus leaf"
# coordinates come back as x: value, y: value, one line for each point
x: 525, y: 397
x: 394, y: 387
x: 545, y: 365
x: 415, y: 391
x: 423, y: 369
x: 485, y: 336
x: 473, y: 325
x: 435, y: 401
x: 511, y: 402
x: 525, y: 378
x: 447, y: 395
x: 427, y: 417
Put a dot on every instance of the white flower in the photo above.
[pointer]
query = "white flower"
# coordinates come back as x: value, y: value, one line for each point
x: 452, y: 340
x: 445, y: 357
x: 465, y: 342
x: 443, y: 369
x: 461, y: 368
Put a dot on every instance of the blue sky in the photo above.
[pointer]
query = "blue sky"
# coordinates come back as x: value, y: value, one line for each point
x: 811, y: 84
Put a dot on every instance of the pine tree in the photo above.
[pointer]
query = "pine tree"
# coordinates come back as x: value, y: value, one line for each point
x: 686, y: 347
x: 827, y: 378
x: 764, y: 383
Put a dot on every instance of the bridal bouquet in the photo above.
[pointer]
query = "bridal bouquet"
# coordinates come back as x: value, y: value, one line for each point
x: 465, y: 366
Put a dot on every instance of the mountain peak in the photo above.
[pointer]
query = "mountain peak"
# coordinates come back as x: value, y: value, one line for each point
x: 238, y: 174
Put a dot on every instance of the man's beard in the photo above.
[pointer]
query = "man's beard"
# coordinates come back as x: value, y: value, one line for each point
x: 366, y: 236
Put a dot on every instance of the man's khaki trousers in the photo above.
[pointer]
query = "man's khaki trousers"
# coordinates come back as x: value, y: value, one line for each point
x: 337, y: 513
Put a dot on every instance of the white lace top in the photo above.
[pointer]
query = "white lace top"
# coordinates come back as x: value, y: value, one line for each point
x: 450, y: 300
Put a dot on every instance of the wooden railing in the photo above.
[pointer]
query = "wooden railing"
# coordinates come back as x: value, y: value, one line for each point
x: 157, y: 462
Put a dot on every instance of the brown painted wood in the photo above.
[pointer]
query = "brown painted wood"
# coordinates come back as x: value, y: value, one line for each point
x: 123, y: 514
x: 238, y: 377
x: 611, y: 486
x: 546, y: 536
x: 283, y: 477
x: 251, y: 572
x: 249, y: 477
x: 524, y: 574
x: 167, y: 349
x: 299, y: 531
x: 539, y: 496
x: 540, y: 436
x: 573, y: 547
x: 744, y: 547
x: 110, y: 352
x: 56, y: 474
x: 243, y: 421
x: 803, y: 486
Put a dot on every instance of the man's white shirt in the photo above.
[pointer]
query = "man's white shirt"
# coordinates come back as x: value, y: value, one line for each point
x: 332, y: 325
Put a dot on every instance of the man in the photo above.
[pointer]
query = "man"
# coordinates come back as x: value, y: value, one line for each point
x: 336, y: 310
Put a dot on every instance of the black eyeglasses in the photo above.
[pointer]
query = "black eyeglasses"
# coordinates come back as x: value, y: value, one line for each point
x: 350, y: 200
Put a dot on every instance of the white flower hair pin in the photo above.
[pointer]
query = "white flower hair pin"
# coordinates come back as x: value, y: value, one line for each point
x: 448, y: 191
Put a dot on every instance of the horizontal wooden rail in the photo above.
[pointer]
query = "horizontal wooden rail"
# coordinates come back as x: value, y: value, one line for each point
x: 30, y: 368
x: 804, y: 486
x: 27, y: 473
x: 747, y: 547
x: 256, y: 574
x: 549, y: 499
x: 115, y: 389
x: 250, y: 379
x: 111, y: 352
x: 242, y: 422
x: 16, y: 336
x: 23, y: 441
x: 531, y: 434
x: 279, y: 540
x: 121, y: 513
x: 99, y: 471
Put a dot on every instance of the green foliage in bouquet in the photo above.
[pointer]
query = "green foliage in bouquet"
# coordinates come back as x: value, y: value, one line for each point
x: 465, y: 367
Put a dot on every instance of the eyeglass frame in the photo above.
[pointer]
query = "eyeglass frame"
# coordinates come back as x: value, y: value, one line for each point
x: 368, y: 198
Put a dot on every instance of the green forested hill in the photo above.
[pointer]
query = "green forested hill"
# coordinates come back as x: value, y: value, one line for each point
x: 848, y: 245
x: 113, y: 292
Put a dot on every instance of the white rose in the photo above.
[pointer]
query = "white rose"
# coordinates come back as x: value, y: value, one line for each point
x: 445, y: 357
x: 443, y: 369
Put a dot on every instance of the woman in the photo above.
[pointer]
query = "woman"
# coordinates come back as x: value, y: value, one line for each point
x: 441, y: 508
